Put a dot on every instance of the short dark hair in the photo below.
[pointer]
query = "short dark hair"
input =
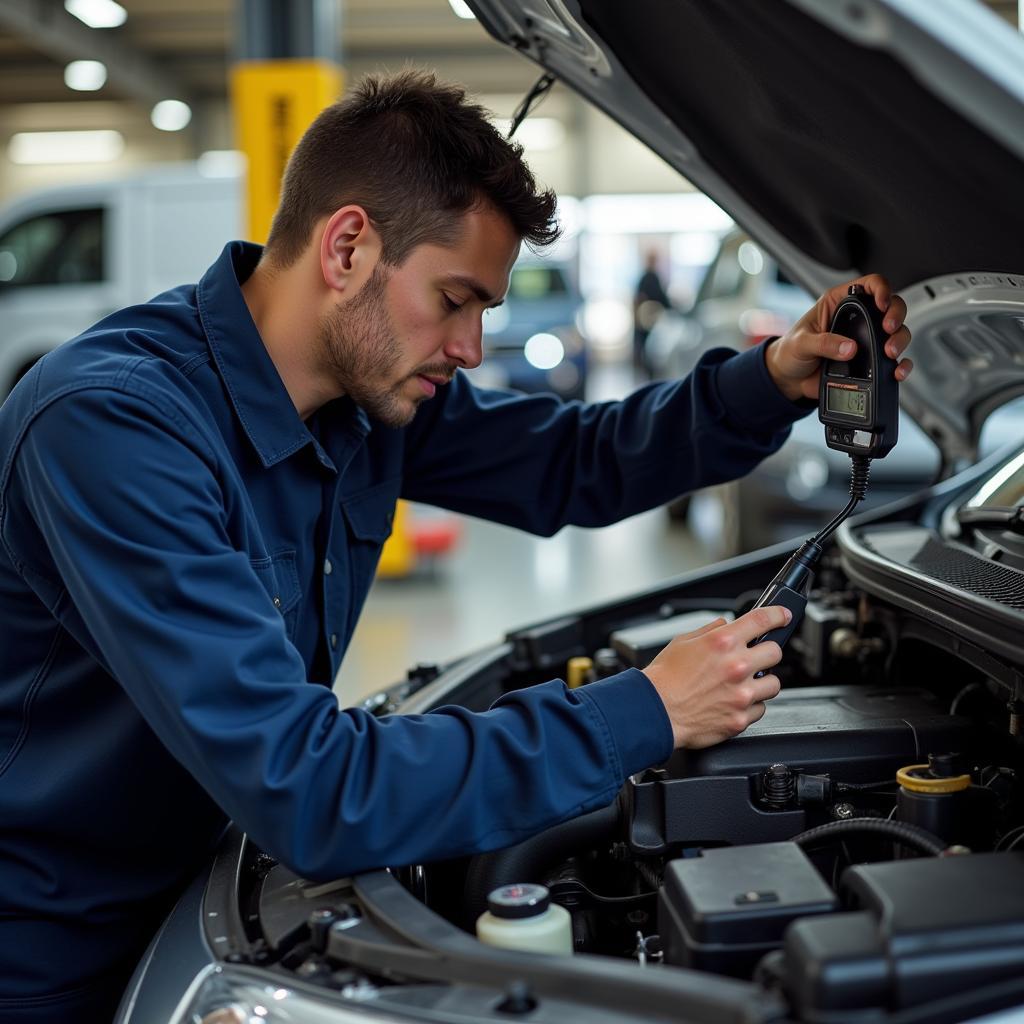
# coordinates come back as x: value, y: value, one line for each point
x: 412, y: 152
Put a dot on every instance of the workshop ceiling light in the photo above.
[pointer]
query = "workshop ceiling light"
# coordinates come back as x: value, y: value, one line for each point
x: 171, y: 115
x: 461, y: 8
x: 85, y: 75
x: 97, y: 13
x: 65, y: 147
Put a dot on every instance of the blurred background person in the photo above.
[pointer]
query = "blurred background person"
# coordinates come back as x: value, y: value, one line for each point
x: 650, y: 300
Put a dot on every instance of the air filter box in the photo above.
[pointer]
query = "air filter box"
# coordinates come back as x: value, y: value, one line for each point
x: 922, y: 932
x: 723, y: 911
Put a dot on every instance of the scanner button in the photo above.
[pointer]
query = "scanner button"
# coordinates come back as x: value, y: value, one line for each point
x: 862, y: 438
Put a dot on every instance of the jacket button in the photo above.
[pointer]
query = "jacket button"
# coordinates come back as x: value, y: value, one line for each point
x: 328, y: 568
x: 334, y: 640
x: 277, y: 602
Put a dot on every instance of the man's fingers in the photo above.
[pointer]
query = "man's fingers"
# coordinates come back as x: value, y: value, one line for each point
x: 904, y: 368
x: 897, y: 344
x: 755, y: 713
x: 877, y: 286
x: 895, y: 314
x: 766, y: 688
x: 874, y: 284
x: 763, y: 656
x: 893, y: 306
x: 758, y: 622
x: 835, y: 346
x: 706, y: 628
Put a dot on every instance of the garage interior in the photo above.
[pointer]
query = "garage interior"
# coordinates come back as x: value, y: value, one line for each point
x: 183, y: 52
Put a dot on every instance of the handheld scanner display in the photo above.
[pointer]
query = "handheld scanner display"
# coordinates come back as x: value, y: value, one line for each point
x: 859, y: 400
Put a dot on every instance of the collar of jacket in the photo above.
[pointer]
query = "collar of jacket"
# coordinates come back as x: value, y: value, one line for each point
x: 255, y: 389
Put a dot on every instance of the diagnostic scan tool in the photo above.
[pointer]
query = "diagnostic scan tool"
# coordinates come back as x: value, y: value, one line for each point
x: 859, y: 403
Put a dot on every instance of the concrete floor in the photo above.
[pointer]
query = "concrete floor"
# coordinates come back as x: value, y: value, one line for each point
x: 499, y: 578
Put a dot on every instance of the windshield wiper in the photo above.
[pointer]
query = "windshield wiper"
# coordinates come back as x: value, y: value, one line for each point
x: 1005, y: 518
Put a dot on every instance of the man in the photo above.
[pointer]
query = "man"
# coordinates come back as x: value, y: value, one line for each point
x: 193, y: 496
x: 650, y: 300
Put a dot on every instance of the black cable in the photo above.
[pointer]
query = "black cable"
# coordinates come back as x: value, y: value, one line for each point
x: 899, y: 831
x: 1016, y: 833
x: 965, y: 692
x: 649, y: 874
x: 843, y: 787
x: 529, y: 860
x: 859, y: 471
x: 532, y: 99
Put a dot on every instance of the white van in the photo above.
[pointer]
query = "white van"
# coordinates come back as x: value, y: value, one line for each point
x: 71, y: 255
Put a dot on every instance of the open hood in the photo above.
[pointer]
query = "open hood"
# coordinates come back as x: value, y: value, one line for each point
x: 864, y: 136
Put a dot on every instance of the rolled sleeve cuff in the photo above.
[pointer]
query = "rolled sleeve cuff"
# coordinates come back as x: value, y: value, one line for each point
x: 635, y: 717
x: 750, y: 396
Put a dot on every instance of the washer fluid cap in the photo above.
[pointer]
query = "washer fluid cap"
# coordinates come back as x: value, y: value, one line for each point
x: 518, y: 901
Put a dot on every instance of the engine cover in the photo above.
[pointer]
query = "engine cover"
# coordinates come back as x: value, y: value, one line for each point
x: 852, y: 734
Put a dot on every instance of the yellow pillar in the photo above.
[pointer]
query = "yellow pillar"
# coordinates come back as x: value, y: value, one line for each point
x: 274, y: 102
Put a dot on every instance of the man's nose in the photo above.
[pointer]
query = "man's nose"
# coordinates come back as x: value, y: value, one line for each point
x: 466, y: 346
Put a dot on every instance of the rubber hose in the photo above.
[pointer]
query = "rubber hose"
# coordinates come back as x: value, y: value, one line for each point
x: 529, y: 860
x: 900, y: 831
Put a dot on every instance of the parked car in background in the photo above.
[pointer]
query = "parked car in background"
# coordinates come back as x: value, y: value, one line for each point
x: 743, y: 298
x: 802, y: 486
x: 533, y: 342
x: 72, y: 254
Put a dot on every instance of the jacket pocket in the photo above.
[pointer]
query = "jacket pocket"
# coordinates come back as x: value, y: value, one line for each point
x: 280, y: 579
x: 369, y: 517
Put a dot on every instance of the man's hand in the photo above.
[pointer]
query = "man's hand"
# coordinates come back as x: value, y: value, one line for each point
x: 706, y: 678
x: 794, y: 360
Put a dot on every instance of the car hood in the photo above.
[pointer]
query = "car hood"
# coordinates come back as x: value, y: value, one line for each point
x: 870, y: 136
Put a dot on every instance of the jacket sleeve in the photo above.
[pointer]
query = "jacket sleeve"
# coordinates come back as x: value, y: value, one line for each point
x: 126, y: 500
x: 539, y: 464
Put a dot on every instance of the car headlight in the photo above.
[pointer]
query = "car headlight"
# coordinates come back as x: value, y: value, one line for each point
x: 545, y: 351
x: 230, y: 996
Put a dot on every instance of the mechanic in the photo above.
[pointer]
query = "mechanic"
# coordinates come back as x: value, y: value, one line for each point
x: 193, y: 496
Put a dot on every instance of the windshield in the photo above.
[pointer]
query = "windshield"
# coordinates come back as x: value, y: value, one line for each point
x: 57, y: 247
x: 532, y: 283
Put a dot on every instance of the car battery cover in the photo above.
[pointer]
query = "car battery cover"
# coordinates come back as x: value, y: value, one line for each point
x: 724, y: 910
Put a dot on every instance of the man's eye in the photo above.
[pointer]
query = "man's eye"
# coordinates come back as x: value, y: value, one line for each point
x: 449, y: 303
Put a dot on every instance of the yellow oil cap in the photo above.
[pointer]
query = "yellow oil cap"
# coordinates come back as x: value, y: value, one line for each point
x: 918, y: 779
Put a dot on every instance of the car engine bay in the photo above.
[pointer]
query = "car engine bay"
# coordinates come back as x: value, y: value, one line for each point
x: 856, y: 854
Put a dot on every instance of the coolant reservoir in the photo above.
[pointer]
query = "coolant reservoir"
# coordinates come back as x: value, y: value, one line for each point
x: 522, y: 916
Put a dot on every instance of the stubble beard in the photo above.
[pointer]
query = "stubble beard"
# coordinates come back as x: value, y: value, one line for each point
x: 361, y: 352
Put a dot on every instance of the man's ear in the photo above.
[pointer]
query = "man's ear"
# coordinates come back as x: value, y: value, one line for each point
x: 349, y: 249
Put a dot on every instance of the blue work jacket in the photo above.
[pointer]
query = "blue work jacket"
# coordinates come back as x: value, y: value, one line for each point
x: 183, y: 559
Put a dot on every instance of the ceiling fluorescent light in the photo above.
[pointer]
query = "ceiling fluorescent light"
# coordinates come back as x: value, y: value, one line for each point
x: 461, y: 8
x: 171, y: 115
x: 85, y: 75
x: 97, y: 13
x: 65, y: 147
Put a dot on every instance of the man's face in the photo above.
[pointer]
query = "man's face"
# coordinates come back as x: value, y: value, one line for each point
x: 409, y: 328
